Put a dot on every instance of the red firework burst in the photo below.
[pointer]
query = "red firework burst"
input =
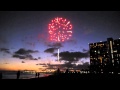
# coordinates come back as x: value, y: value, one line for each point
x: 60, y: 29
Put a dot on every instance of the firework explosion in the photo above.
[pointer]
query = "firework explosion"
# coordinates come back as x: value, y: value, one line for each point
x: 60, y: 29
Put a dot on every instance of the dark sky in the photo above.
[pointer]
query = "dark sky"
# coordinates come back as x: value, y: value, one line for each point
x: 24, y: 37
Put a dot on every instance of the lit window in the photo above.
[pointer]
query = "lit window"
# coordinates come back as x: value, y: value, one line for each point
x: 115, y: 51
x: 98, y: 52
x: 112, y: 61
x: 91, y: 58
x: 118, y: 62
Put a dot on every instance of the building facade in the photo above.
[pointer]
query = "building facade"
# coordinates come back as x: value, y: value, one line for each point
x: 105, y: 56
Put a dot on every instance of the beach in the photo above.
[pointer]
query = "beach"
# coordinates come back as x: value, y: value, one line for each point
x: 8, y: 75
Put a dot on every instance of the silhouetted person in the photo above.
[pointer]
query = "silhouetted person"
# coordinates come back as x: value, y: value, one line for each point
x: 18, y: 74
x: 38, y: 74
x: 0, y: 75
x: 75, y: 71
x: 58, y: 71
x: 67, y: 71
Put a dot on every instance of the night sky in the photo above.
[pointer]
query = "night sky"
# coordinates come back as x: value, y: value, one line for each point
x: 25, y: 44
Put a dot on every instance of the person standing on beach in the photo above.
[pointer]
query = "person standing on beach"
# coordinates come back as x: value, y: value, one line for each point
x: 38, y: 74
x: 0, y: 75
x: 18, y: 74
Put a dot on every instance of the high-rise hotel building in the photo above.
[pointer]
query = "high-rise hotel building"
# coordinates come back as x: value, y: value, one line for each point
x: 105, y: 56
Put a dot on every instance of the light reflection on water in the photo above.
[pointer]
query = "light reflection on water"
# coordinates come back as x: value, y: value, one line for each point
x: 22, y: 75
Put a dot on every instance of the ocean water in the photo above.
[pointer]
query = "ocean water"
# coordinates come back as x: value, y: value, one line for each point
x: 22, y: 75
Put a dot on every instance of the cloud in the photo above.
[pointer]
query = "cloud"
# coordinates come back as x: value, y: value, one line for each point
x: 83, y: 66
x: 54, y: 66
x: 24, y: 54
x: 22, y: 51
x: 86, y: 51
x: 29, y: 57
x: 69, y: 65
x: 26, y: 57
x: 72, y: 56
x: 65, y: 65
x: 50, y: 50
x: 41, y: 64
x: 39, y: 57
x: 6, y: 63
x: 44, y: 66
x: 35, y: 59
x: 18, y: 56
x: 5, y: 50
x: 86, y: 63
x: 23, y: 62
